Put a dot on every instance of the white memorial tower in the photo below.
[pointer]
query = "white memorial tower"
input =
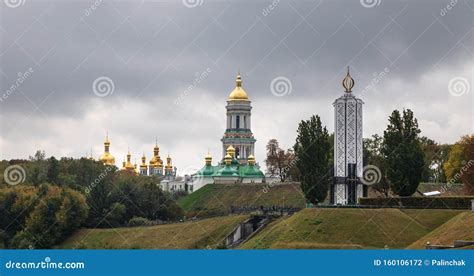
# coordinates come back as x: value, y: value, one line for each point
x: 348, y: 166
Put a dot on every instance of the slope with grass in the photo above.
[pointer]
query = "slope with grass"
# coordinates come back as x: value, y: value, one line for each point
x: 206, y: 233
x: 348, y: 228
x: 460, y: 227
x: 216, y: 199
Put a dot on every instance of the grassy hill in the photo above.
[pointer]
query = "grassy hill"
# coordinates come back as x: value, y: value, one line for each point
x: 207, y: 233
x: 349, y: 228
x: 460, y: 227
x: 215, y: 199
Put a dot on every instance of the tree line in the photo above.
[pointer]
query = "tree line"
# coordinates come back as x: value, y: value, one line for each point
x: 403, y: 157
x: 58, y: 197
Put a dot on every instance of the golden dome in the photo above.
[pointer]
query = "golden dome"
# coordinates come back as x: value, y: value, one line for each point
x: 107, y: 159
x: 227, y: 159
x: 251, y: 159
x: 238, y: 94
x: 231, y: 151
x: 348, y: 82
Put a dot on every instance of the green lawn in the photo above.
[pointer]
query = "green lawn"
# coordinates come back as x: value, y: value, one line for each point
x: 348, y: 228
x: 206, y: 233
x: 216, y: 199
x: 460, y: 227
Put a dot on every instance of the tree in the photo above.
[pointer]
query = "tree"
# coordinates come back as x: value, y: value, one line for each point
x: 402, y: 152
x: 372, y: 156
x: 53, y: 170
x: 467, y: 174
x: 312, y: 159
x: 454, y: 164
x: 439, y: 159
x: 278, y: 160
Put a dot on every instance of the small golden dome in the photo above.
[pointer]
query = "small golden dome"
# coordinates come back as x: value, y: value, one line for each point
x: 251, y: 159
x: 231, y: 151
x: 238, y: 94
x: 348, y: 82
x: 227, y: 159
x: 107, y: 158
x: 208, y: 159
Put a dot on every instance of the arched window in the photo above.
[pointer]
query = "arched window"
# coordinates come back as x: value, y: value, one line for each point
x: 237, y: 122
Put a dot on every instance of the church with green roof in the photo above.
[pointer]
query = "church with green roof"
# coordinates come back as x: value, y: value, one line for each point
x: 238, y: 145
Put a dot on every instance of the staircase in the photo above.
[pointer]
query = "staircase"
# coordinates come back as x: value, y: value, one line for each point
x: 246, y: 230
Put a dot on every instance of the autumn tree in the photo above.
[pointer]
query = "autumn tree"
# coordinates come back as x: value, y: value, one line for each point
x: 278, y: 160
x: 467, y: 175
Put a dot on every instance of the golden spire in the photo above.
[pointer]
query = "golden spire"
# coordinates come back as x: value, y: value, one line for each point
x: 208, y: 159
x: 238, y: 94
x: 144, y: 159
x: 106, y: 157
x: 348, y: 82
x: 238, y: 80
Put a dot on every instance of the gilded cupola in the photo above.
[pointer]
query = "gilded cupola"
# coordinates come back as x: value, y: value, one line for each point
x: 238, y: 94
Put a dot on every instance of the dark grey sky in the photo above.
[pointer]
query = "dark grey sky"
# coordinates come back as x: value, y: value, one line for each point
x: 152, y: 51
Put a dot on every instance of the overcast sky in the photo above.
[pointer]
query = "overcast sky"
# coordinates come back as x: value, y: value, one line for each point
x: 164, y: 70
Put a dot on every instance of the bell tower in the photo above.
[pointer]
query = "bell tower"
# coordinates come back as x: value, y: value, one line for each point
x: 238, y: 132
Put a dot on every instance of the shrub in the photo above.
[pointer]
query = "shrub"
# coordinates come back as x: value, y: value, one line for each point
x: 445, y: 202
x: 139, y: 221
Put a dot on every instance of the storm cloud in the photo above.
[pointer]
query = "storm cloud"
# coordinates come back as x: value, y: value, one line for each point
x: 172, y: 64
